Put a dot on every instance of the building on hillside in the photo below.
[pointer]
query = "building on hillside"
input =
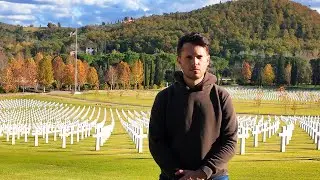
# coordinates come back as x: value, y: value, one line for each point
x: 91, y: 50
x: 128, y: 20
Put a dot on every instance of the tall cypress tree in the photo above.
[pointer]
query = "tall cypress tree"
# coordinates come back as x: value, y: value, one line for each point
x: 157, y: 71
x: 294, y: 72
x: 280, y: 73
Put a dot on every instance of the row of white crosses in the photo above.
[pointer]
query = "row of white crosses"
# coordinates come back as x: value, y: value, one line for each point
x: 141, y: 118
x: 40, y: 118
x: 25, y: 103
x: 311, y: 124
x: 243, y: 93
x: 103, y: 132
x: 134, y: 129
x: 249, y: 123
x: 287, y: 131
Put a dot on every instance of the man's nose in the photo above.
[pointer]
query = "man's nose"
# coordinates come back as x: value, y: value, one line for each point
x: 195, y: 60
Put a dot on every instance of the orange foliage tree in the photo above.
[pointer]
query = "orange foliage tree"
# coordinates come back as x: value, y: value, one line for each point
x: 92, y: 78
x: 246, y: 72
x: 68, y: 75
x: 17, y: 67
x: 8, y: 82
x: 58, y: 70
x: 123, y: 70
x: 86, y: 69
x: 81, y: 72
x: 30, y: 72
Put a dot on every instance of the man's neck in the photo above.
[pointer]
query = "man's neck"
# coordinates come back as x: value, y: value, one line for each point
x: 192, y: 83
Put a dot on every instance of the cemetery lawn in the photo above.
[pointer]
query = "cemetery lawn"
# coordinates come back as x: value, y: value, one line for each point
x: 118, y: 158
x: 145, y: 99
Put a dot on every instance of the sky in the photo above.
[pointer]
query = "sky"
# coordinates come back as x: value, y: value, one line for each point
x: 77, y: 13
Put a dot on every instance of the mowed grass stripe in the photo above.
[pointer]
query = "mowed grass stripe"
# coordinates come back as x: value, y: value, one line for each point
x: 300, y: 161
x: 118, y: 159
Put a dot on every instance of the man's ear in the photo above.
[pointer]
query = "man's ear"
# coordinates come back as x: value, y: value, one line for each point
x: 208, y: 58
x: 178, y: 60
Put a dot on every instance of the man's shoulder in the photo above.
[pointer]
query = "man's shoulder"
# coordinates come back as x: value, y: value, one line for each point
x: 164, y: 92
x: 221, y: 90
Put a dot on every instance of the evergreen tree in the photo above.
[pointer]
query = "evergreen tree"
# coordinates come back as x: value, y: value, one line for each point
x: 280, y: 73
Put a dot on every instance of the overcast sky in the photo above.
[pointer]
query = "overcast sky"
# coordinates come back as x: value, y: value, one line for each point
x: 75, y: 13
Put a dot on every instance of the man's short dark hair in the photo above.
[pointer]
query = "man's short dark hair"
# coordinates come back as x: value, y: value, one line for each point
x: 193, y: 38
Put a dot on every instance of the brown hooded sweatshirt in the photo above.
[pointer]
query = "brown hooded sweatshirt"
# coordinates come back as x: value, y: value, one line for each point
x: 193, y: 128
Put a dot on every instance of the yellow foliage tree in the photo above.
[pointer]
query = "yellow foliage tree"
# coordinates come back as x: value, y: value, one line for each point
x: 137, y: 73
x: 92, y: 78
x: 45, y: 72
x: 268, y: 75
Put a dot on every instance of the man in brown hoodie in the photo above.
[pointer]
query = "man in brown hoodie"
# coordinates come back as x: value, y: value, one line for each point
x: 193, y: 126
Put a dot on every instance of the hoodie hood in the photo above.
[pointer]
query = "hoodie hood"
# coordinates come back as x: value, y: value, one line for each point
x: 208, y: 80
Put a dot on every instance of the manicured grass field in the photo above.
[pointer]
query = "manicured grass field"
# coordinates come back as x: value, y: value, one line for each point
x: 145, y: 99
x: 119, y: 160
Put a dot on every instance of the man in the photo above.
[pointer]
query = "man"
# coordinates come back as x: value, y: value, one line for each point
x: 193, y: 127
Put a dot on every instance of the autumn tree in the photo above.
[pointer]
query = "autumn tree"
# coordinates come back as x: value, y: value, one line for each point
x: 30, y: 72
x: 92, y: 78
x: 86, y: 69
x: 19, y: 56
x: 137, y: 73
x: 123, y: 70
x: 268, y: 75
x: 81, y: 72
x: 246, y: 72
x: 3, y: 60
x: 70, y: 59
x: 68, y: 75
x: 38, y: 57
x: 45, y: 72
x: 287, y: 74
x: 8, y: 81
x: 58, y: 67
x: 17, y: 67
x: 112, y: 76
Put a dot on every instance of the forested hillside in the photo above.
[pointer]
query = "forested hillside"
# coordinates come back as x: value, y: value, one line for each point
x: 243, y: 34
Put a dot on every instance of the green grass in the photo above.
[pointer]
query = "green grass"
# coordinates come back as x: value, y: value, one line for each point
x: 145, y: 99
x: 119, y: 160
x: 300, y: 161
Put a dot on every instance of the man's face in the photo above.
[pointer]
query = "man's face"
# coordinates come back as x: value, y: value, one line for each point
x: 193, y: 61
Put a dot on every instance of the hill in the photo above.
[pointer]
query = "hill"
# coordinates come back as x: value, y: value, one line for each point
x: 264, y: 26
x: 270, y: 26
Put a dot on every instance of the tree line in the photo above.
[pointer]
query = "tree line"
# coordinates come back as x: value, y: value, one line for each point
x: 131, y: 70
x: 253, y: 42
x: 46, y: 72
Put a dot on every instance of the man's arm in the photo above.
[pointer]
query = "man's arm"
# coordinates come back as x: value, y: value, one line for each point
x: 158, y: 139
x: 222, y: 151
